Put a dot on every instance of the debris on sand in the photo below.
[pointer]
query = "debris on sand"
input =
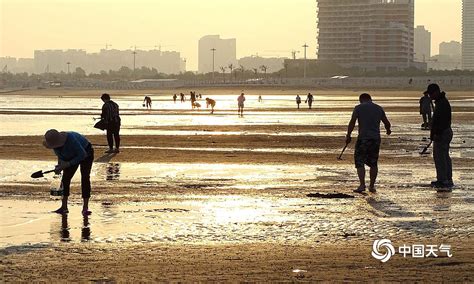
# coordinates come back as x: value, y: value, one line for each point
x: 330, y: 195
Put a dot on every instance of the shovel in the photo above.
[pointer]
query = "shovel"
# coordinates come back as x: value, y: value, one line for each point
x: 426, y: 148
x: 40, y: 174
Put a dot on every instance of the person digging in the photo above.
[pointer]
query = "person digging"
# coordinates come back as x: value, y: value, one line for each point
x: 73, y: 150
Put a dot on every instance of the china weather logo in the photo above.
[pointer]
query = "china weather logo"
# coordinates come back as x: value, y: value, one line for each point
x: 383, y: 245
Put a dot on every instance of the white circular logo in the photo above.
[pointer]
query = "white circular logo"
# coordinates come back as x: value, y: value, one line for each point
x: 383, y: 244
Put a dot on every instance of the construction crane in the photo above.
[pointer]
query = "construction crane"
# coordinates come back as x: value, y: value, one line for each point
x: 5, y: 69
x: 293, y: 52
x: 107, y: 45
x: 161, y: 45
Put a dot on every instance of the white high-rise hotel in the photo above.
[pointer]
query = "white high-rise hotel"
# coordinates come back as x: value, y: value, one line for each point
x: 368, y: 34
x: 468, y: 34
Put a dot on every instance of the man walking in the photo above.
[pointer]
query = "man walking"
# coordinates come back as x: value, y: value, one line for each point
x: 441, y: 135
x: 426, y: 106
x: 110, y: 114
x: 298, y: 101
x: 368, y: 115
x: 309, y: 100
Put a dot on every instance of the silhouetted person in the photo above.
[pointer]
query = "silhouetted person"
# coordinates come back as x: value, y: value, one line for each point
x: 309, y: 100
x: 426, y: 106
x: 240, y: 103
x: 147, y: 101
x: 174, y: 98
x: 110, y: 114
x: 298, y: 101
x: 212, y: 103
x: 73, y: 150
x: 368, y: 115
x: 183, y: 98
x: 441, y: 135
x: 260, y: 99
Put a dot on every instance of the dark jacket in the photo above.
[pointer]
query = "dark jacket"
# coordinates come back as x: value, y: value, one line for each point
x: 441, y: 116
x: 110, y: 112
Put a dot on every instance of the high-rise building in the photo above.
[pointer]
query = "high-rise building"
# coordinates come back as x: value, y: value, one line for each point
x: 225, y: 53
x: 422, y: 44
x: 449, y: 57
x: 368, y: 34
x: 452, y: 49
x: 468, y: 34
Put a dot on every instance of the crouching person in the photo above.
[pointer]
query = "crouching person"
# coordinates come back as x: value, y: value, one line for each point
x: 73, y: 150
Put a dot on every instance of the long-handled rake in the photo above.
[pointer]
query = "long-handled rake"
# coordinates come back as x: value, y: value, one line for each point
x: 426, y: 148
x: 344, y: 149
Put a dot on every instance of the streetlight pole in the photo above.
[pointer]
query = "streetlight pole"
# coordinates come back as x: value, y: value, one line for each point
x: 134, y: 55
x: 305, y: 47
x: 213, y: 61
x: 68, y: 63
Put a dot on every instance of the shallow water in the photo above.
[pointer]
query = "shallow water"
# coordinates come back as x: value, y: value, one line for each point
x: 280, y: 213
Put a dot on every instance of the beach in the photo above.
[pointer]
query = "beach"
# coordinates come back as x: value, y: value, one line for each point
x: 200, y: 197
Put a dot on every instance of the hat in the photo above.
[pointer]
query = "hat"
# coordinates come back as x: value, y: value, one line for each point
x: 54, y: 139
x: 431, y: 89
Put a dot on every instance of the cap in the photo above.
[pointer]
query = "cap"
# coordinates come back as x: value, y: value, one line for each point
x: 431, y: 89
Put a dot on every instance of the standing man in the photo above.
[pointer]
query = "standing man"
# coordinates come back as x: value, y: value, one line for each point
x: 441, y: 135
x: 73, y: 150
x: 240, y: 102
x: 110, y: 114
x: 193, y: 98
x: 174, y: 98
x: 368, y: 115
x: 309, y: 100
x: 426, y: 106
x: 298, y: 101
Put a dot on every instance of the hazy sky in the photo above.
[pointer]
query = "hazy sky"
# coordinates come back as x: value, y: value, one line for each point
x: 269, y: 27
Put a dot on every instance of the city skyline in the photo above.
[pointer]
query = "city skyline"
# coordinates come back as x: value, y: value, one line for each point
x: 181, y: 33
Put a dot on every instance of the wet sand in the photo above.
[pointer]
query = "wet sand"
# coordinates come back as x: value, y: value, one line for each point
x: 228, y: 263
x: 194, y: 197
